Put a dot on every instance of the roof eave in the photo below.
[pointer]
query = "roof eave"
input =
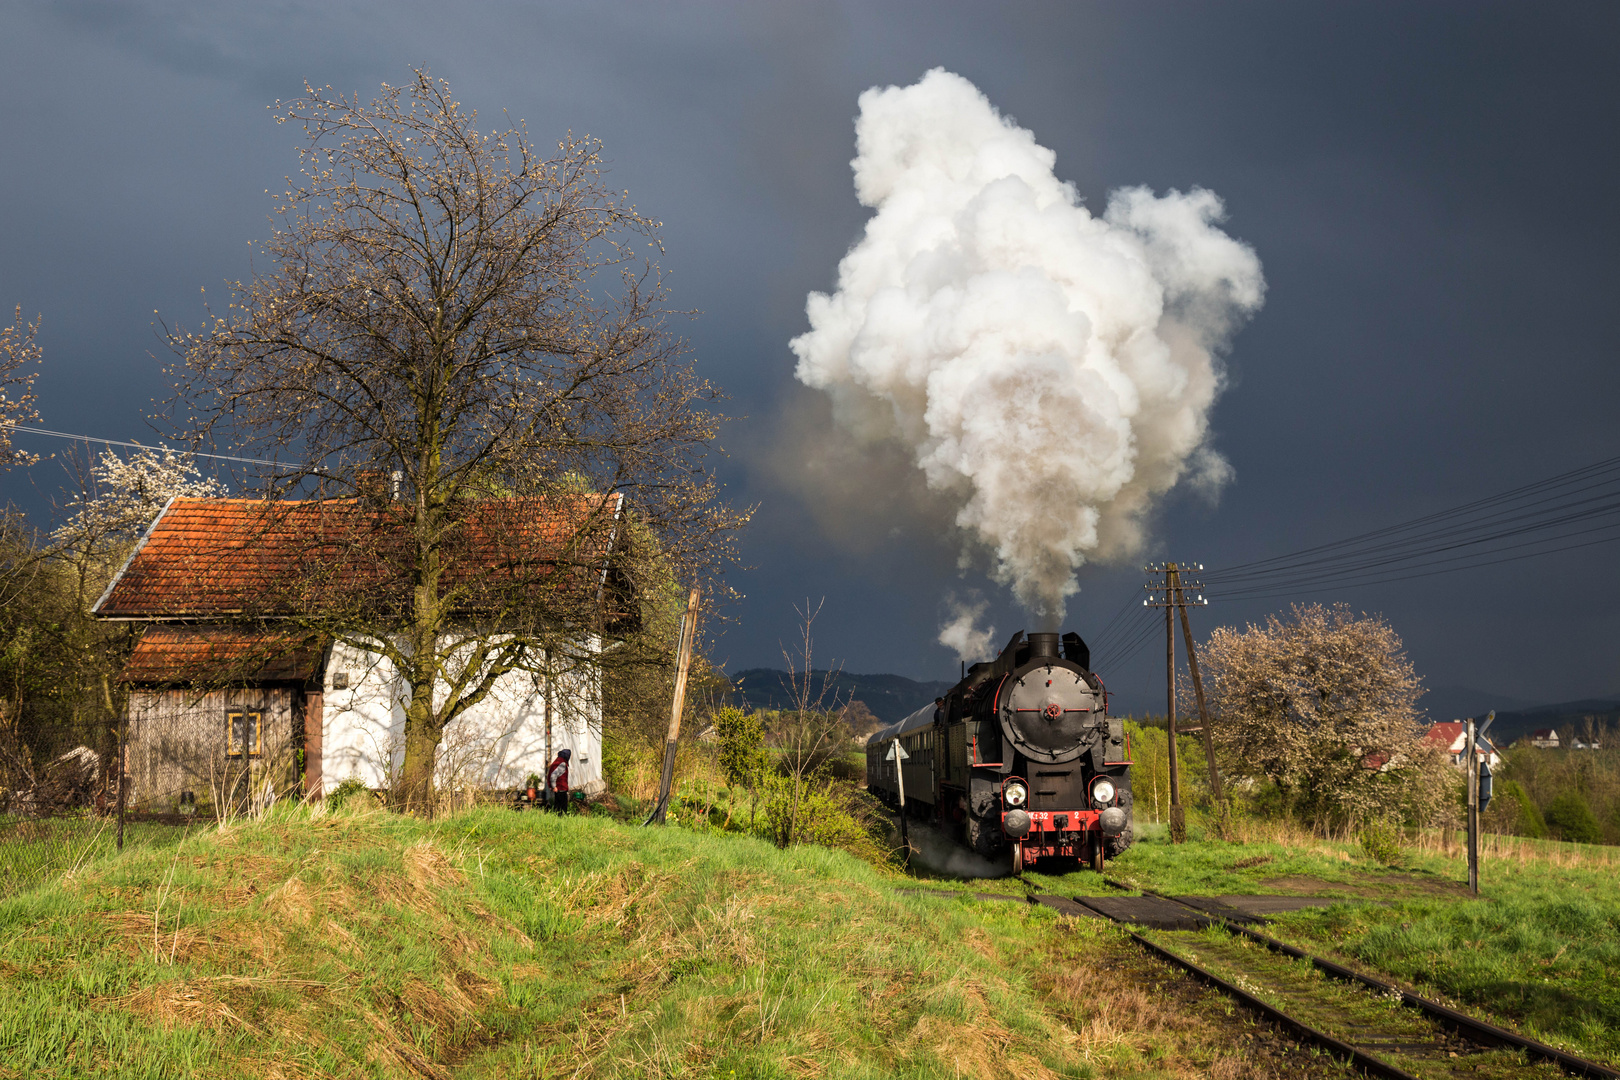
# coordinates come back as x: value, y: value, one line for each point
x: 95, y: 609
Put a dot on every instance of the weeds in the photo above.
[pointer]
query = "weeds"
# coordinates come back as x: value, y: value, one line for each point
x: 1380, y: 841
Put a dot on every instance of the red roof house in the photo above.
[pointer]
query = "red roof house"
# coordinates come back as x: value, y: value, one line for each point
x: 1452, y: 737
x: 237, y: 693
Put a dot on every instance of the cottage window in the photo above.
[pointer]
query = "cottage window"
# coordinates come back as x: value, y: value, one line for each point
x: 244, y: 730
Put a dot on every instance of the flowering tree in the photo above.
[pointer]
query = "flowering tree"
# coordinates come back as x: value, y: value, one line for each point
x: 1323, y: 704
x: 120, y: 497
x: 20, y: 355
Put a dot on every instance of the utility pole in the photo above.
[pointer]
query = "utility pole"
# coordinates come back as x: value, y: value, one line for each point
x: 1178, y: 817
x: 683, y: 661
x: 1171, y: 594
x: 1215, y: 791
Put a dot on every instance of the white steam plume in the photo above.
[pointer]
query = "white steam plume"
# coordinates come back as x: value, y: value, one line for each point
x: 1050, y: 371
x: 961, y: 632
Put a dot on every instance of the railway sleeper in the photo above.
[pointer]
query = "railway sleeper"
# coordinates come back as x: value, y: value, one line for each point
x: 1452, y: 1025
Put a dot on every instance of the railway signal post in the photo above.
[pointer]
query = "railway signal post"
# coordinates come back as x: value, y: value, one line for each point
x: 898, y: 755
x: 1472, y: 750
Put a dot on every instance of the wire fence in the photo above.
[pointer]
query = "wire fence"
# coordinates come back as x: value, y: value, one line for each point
x: 59, y: 795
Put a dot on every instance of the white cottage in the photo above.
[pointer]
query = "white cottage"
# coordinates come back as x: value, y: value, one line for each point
x: 230, y: 701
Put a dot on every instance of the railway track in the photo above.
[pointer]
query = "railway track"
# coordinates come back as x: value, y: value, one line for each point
x: 1378, y: 1028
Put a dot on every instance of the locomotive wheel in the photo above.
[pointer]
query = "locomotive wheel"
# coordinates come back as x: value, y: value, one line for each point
x: 1018, y: 860
x: 1097, y: 855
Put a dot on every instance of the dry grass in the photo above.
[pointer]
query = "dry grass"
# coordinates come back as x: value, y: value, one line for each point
x: 1132, y: 1016
x: 527, y: 946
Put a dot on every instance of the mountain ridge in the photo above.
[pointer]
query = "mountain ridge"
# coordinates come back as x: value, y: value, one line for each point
x: 889, y: 697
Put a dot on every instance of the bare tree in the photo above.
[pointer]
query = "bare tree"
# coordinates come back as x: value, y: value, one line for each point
x: 467, y: 340
x: 813, y: 729
x: 20, y: 356
x: 1324, y: 704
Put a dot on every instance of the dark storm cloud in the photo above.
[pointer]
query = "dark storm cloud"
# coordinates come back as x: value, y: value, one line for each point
x: 1431, y: 189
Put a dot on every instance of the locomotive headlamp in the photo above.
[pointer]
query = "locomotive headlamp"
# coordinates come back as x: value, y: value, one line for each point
x: 1015, y: 793
x: 1102, y: 790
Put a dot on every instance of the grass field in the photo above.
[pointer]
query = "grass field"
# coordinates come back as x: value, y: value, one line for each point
x: 34, y: 850
x: 362, y: 944
x: 1538, y: 950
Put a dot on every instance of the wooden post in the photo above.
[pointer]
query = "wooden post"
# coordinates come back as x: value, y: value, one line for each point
x: 1178, y: 817
x: 123, y: 767
x: 1215, y: 790
x: 551, y: 754
x: 683, y: 662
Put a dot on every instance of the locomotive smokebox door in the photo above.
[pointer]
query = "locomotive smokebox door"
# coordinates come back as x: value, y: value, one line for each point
x: 1050, y: 714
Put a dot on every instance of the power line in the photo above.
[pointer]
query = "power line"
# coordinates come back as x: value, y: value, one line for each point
x: 1574, y: 504
x: 1259, y: 566
x: 141, y: 446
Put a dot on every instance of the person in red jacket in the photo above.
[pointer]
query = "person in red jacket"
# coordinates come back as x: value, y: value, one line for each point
x: 558, y: 775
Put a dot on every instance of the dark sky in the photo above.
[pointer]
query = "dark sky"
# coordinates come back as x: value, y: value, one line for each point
x: 1432, y: 191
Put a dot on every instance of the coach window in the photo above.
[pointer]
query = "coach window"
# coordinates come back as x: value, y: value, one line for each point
x: 244, y: 730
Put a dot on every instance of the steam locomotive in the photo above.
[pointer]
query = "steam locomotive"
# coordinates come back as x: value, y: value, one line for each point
x: 1020, y: 754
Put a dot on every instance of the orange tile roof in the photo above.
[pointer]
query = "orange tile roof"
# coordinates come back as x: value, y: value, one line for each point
x: 1444, y: 733
x: 214, y: 558
x: 200, y: 654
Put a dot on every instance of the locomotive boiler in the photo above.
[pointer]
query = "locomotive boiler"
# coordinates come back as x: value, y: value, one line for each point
x: 1020, y: 755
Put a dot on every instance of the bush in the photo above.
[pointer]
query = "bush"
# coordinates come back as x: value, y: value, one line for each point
x: 1513, y: 811
x: 830, y: 812
x: 1571, y: 819
x: 347, y: 791
x: 1381, y: 841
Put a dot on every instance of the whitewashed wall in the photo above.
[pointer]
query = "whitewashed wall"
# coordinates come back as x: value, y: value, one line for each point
x: 497, y: 743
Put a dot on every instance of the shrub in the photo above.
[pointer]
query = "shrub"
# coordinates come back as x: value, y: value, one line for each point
x: 1322, y: 703
x: 1381, y: 841
x: 829, y: 812
x: 1571, y: 819
x: 347, y: 791
x: 743, y: 760
x: 1513, y: 811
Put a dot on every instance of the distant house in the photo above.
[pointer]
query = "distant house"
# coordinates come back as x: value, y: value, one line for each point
x: 227, y: 708
x: 1546, y: 739
x: 1452, y: 737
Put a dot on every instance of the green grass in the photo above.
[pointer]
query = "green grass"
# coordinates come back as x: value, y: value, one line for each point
x: 36, y: 850
x: 363, y: 944
x: 1539, y: 949
x: 1536, y: 951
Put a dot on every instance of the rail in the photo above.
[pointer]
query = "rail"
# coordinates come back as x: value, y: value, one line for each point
x: 1473, y: 1029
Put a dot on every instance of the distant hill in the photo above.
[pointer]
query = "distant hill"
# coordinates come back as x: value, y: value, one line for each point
x: 890, y: 697
x: 1515, y: 717
x: 1444, y: 703
x: 1510, y: 726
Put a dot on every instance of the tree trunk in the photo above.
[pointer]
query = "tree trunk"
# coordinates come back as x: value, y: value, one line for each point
x: 793, y: 818
x: 413, y: 793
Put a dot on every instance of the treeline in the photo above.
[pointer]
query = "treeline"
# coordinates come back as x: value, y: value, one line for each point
x: 1561, y: 794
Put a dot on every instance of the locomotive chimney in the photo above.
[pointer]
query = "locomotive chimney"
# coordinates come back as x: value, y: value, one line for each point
x: 1042, y: 646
